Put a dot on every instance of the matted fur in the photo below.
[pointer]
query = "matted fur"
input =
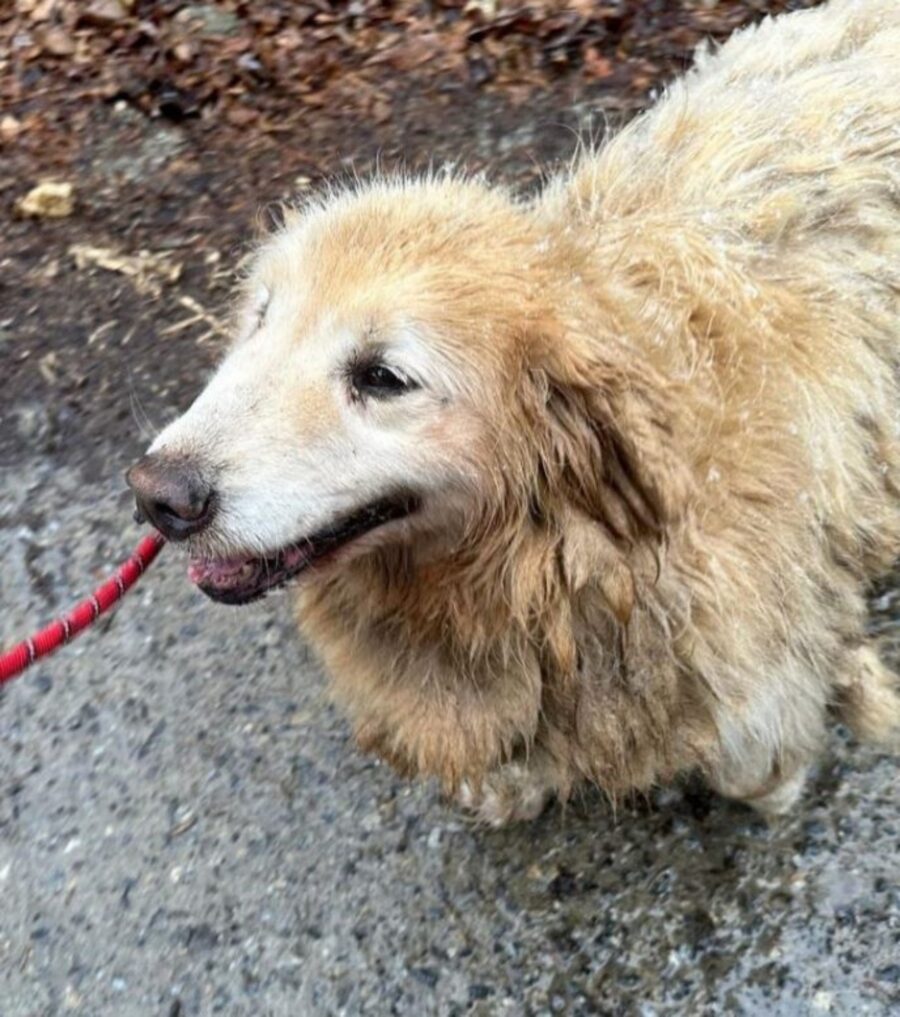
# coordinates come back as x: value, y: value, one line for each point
x: 667, y: 442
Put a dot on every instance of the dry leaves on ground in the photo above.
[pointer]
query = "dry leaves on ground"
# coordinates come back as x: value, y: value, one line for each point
x: 241, y: 64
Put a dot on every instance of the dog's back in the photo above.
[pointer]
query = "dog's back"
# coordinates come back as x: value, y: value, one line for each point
x: 756, y: 209
x: 751, y: 219
x: 788, y: 126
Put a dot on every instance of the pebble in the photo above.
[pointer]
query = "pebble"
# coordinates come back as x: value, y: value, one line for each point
x: 51, y: 199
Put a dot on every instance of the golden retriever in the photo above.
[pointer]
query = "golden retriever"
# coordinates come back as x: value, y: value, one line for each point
x: 585, y: 488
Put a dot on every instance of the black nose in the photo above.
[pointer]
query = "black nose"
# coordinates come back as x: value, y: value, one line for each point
x: 170, y: 493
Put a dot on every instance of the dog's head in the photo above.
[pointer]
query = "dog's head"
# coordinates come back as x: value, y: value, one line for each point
x: 399, y: 370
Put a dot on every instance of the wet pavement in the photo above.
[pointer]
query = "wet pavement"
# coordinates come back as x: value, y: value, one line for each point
x: 185, y: 828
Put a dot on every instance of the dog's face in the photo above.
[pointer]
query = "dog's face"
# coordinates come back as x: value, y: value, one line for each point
x: 363, y: 396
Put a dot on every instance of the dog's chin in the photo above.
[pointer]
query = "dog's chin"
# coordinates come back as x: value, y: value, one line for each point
x: 240, y: 579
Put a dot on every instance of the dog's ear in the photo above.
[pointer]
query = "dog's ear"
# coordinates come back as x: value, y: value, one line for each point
x: 607, y: 439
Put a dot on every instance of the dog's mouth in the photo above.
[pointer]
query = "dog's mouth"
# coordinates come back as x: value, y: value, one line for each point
x: 242, y: 578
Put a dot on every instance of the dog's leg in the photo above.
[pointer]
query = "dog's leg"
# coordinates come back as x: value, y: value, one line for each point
x: 780, y: 794
x: 868, y: 698
x: 757, y: 767
x: 773, y: 793
x: 514, y: 792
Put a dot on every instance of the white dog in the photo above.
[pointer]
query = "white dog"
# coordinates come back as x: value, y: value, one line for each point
x: 589, y: 487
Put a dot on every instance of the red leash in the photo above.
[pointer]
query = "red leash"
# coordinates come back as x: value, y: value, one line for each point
x: 43, y: 643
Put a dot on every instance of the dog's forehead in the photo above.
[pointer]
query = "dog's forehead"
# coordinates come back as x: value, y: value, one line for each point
x: 419, y: 266
x: 293, y: 314
x: 396, y: 230
x: 346, y: 266
x: 339, y: 300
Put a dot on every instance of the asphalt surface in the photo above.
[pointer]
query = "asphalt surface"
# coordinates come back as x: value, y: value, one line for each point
x: 186, y: 828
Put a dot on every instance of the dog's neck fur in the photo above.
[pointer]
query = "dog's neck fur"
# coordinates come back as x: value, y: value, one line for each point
x: 563, y: 618
x: 524, y: 631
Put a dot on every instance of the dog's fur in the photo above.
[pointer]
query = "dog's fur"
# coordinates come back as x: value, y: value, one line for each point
x: 656, y: 436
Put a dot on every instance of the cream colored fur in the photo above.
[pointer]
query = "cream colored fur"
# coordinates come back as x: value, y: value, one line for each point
x: 656, y: 436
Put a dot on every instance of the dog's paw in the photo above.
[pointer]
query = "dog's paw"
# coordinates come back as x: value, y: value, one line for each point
x: 773, y: 796
x: 515, y: 793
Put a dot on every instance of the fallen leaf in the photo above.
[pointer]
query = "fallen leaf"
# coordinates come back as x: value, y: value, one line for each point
x: 103, y: 13
x: 41, y: 11
x: 48, y: 200
x: 56, y: 41
x: 242, y: 116
x: 486, y: 8
x: 415, y: 51
x: 147, y: 271
x: 47, y: 366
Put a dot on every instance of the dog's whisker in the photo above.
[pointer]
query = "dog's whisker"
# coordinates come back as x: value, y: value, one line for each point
x: 146, y: 427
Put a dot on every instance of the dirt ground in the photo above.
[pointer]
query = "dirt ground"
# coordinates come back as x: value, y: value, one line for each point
x: 185, y: 828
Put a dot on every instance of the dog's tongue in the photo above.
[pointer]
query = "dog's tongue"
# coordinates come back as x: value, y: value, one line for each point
x: 221, y: 572
x: 235, y: 573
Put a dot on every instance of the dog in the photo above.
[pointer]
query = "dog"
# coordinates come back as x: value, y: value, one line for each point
x: 587, y: 487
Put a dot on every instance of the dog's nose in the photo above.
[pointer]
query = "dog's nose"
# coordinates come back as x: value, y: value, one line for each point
x: 171, y: 494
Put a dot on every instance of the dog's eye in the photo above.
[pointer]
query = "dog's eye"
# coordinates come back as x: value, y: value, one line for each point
x: 379, y: 381
x: 260, y: 315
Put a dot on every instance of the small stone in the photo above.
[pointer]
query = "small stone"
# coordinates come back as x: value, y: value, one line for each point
x: 10, y: 127
x: 47, y: 366
x: 48, y: 200
x: 563, y: 885
x: 426, y: 975
x: 32, y: 421
x: 184, y: 52
x: 71, y: 1000
x: 42, y: 682
x: 209, y: 19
